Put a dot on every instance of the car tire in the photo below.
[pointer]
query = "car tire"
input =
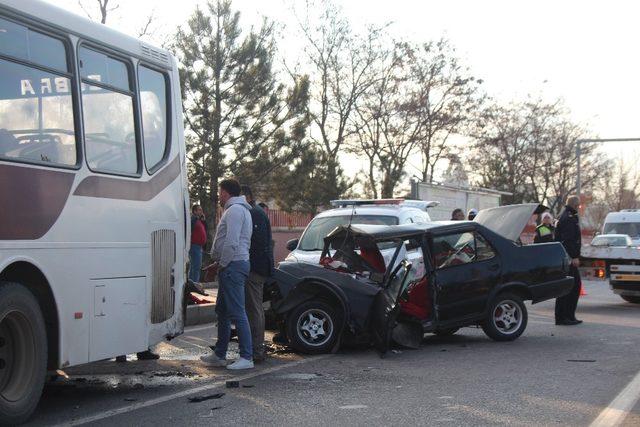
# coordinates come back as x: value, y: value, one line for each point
x: 313, y: 327
x: 23, y: 353
x: 446, y: 332
x: 630, y: 298
x: 506, y: 318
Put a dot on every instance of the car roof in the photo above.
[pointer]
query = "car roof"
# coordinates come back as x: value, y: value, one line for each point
x: 388, y: 232
x: 386, y: 210
x: 624, y: 216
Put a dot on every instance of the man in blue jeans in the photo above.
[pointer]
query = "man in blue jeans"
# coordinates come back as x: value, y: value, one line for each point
x: 231, y: 252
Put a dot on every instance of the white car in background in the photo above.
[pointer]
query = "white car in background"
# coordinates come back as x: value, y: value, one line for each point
x: 308, y: 248
x: 612, y: 240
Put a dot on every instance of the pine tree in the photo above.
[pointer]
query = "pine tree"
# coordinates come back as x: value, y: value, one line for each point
x: 237, y: 111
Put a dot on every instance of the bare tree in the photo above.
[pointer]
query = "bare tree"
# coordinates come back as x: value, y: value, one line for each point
x: 529, y: 150
x: 102, y: 7
x: 339, y: 63
x: 387, y: 124
x: 445, y: 95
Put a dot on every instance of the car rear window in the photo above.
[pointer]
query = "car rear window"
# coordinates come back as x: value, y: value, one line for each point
x: 319, y: 228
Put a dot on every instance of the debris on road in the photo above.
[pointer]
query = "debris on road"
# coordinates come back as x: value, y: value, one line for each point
x: 198, y: 399
x: 300, y: 376
x: 233, y: 384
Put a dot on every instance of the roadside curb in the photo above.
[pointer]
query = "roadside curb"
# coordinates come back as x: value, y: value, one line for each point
x: 198, y: 314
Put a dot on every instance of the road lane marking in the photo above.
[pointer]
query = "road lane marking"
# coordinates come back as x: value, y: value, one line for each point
x: 185, y: 393
x: 198, y: 346
x: 197, y: 328
x: 614, y: 414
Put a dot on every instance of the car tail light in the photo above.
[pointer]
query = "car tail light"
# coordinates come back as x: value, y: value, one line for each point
x: 600, y: 273
x: 599, y: 263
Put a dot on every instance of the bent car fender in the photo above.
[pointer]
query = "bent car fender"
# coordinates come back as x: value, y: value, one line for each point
x: 307, y: 290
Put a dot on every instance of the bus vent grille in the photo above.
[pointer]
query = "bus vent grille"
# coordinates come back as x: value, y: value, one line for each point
x: 163, y: 244
x: 154, y: 55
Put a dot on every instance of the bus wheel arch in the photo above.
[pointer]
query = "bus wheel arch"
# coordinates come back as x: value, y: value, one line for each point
x: 31, y: 277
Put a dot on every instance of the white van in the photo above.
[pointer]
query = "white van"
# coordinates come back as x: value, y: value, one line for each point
x: 627, y: 221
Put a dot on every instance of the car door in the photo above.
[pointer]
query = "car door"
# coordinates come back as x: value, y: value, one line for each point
x: 385, y: 307
x: 466, y: 268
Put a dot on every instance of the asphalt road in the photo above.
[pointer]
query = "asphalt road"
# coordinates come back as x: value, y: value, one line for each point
x: 552, y: 375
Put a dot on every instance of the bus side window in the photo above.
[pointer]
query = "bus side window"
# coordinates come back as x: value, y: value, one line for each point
x: 153, y: 104
x: 108, y: 113
x: 36, y: 106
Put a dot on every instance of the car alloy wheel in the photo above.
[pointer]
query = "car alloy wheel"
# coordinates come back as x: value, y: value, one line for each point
x: 314, y: 327
x: 507, y: 317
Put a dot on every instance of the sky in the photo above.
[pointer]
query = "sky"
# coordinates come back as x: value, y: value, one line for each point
x: 584, y: 52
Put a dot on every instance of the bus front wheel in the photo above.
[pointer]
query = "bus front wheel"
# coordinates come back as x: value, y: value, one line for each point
x: 23, y: 353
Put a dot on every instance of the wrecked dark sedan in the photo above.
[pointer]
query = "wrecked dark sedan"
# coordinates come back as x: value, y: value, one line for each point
x: 439, y: 277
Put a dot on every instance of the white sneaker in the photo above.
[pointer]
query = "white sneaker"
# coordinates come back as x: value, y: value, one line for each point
x: 213, y: 360
x: 241, y: 364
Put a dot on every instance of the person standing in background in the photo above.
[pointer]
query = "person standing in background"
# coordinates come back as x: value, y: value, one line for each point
x: 545, y: 232
x: 230, y: 252
x: 568, y: 233
x: 261, y: 260
x: 198, y: 240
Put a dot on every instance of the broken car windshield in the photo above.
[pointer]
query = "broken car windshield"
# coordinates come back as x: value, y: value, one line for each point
x: 313, y: 237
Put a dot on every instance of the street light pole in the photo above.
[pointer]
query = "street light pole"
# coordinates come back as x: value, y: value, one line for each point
x: 595, y: 140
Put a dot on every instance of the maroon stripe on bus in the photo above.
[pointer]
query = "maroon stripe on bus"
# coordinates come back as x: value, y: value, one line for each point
x: 126, y: 188
x: 31, y: 200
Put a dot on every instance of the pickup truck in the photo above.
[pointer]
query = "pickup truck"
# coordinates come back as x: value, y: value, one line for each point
x: 620, y: 264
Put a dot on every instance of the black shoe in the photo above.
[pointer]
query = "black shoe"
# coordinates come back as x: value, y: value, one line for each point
x: 121, y: 359
x: 148, y: 355
x: 576, y: 320
x: 567, y: 322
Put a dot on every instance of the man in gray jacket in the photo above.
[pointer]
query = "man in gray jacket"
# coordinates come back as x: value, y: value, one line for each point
x: 231, y: 252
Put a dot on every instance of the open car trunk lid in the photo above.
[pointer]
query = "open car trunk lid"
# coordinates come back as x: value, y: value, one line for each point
x: 509, y: 221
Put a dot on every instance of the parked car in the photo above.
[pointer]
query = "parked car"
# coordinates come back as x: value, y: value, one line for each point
x: 612, y: 240
x: 469, y: 273
x: 356, y: 212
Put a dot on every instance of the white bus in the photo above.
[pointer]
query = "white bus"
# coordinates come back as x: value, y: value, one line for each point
x: 93, y: 197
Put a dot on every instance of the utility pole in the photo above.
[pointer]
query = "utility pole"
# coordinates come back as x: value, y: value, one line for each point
x: 594, y: 140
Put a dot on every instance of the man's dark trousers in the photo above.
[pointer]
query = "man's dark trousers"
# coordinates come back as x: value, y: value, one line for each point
x: 566, y: 305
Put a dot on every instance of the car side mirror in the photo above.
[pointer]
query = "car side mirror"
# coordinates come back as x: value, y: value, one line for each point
x: 292, y: 244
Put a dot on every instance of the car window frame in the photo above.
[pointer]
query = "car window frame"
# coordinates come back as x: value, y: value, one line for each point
x: 475, y: 232
x: 137, y: 124
x: 71, y: 74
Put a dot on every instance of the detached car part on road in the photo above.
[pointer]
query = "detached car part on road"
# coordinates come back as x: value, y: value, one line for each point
x: 470, y: 273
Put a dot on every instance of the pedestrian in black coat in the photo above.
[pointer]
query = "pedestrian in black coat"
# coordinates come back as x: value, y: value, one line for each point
x: 568, y: 233
x: 262, y: 265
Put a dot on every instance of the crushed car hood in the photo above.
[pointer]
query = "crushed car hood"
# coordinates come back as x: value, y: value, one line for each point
x: 509, y: 221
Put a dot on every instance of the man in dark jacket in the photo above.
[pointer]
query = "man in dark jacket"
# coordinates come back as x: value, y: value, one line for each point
x: 545, y: 232
x: 568, y: 233
x: 261, y: 260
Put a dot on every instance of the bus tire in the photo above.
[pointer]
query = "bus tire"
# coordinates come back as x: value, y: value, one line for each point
x: 23, y: 353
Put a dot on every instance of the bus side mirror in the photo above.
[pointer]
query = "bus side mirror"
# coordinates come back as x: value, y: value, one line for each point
x: 292, y: 244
